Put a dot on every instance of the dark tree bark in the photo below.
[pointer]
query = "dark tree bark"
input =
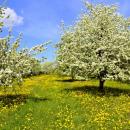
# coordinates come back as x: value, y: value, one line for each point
x: 72, y: 74
x: 101, y: 85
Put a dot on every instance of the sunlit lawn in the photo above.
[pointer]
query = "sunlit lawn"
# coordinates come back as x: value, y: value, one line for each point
x: 49, y: 102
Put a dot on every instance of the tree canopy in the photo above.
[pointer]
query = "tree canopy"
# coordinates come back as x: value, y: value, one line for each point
x: 14, y: 61
x: 98, y: 45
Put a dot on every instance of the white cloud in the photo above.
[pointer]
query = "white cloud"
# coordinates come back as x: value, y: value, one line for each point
x: 13, y: 19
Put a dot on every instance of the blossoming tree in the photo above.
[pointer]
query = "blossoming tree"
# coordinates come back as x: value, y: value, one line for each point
x: 15, y: 62
x: 100, y: 45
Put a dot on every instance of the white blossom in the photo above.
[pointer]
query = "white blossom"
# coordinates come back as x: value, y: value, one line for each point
x: 97, y: 46
x: 14, y: 62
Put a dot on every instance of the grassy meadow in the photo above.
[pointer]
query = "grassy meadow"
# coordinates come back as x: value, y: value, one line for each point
x: 51, y: 102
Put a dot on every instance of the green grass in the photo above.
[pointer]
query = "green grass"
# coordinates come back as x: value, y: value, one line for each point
x: 49, y: 102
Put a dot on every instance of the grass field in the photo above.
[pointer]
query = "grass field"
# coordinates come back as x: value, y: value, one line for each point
x: 49, y: 102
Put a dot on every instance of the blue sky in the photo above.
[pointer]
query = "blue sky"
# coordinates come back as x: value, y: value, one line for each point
x: 41, y: 19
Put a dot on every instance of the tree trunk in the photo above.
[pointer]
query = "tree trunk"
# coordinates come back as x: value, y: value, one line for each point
x: 72, y: 74
x: 72, y: 77
x: 101, y: 85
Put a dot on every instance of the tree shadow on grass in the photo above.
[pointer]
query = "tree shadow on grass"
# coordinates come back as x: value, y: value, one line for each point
x: 10, y: 100
x: 69, y: 80
x: 94, y: 90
